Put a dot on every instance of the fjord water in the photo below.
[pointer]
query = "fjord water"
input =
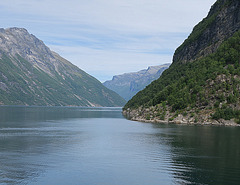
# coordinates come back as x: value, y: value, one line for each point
x: 97, y: 146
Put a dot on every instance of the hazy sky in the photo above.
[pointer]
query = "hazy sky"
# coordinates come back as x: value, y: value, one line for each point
x: 108, y: 37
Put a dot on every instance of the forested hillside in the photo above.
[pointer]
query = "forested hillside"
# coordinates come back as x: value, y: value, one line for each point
x: 203, y: 83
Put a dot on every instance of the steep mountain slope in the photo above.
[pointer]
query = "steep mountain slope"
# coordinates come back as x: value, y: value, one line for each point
x: 31, y: 74
x: 221, y: 23
x: 129, y: 84
x: 203, y: 83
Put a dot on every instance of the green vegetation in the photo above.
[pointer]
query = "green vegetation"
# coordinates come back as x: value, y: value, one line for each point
x: 208, y: 83
x: 24, y: 84
x: 30, y: 74
x: 197, y: 31
x: 226, y: 113
x: 203, y: 25
x: 128, y: 84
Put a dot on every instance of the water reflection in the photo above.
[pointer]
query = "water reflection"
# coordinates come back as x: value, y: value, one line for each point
x: 203, y: 154
x: 33, y: 139
x: 36, y: 114
x: 26, y: 152
x: 49, y: 145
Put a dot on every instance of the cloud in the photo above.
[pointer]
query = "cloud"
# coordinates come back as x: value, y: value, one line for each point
x: 125, y: 15
x: 107, y: 37
x: 116, y: 54
x: 105, y: 63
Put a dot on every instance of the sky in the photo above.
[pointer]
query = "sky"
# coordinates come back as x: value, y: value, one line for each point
x: 108, y: 37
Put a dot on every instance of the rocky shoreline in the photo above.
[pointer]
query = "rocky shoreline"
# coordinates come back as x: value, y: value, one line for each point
x: 180, y: 119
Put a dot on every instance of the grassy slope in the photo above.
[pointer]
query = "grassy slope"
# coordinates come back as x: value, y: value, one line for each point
x: 23, y: 84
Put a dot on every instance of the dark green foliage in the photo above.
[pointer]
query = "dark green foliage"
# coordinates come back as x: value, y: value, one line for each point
x: 188, y: 85
x: 128, y: 84
x: 226, y: 113
x: 148, y: 117
x: 197, y: 31
x: 203, y: 26
x: 231, y: 99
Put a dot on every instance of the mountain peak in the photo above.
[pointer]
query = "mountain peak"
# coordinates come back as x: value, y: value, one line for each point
x: 18, y: 41
x: 128, y: 84
x: 203, y: 83
x: 31, y: 74
x: 16, y: 29
x: 222, y: 21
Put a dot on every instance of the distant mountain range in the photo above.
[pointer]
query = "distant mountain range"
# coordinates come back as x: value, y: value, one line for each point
x: 129, y: 84
x: 32, y: 74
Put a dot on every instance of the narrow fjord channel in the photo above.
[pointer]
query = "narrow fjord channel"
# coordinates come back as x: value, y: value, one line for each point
x: 98, y: 146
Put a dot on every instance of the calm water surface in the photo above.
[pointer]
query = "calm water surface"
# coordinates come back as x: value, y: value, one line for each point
x: 97, y: 146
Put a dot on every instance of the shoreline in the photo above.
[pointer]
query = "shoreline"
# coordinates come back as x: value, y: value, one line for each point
x: 179, y: 121
x: 185, y: 123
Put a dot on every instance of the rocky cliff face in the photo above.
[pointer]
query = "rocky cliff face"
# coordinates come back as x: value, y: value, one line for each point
x: 202, y: 85
x: 129, y: 84
x: 221, y: 23
x: 32, y: 74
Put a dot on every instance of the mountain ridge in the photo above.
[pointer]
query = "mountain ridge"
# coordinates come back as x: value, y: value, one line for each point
x: 203, y: 83
x: 128, y: 84
x: 220, y: 24
x: 31, y: 74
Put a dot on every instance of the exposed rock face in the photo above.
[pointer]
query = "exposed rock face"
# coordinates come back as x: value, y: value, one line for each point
x: 31, y: 74
x: 202, y: 85
x: 221, y: 23
x: 149, y: 116
x: 129, y: 84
